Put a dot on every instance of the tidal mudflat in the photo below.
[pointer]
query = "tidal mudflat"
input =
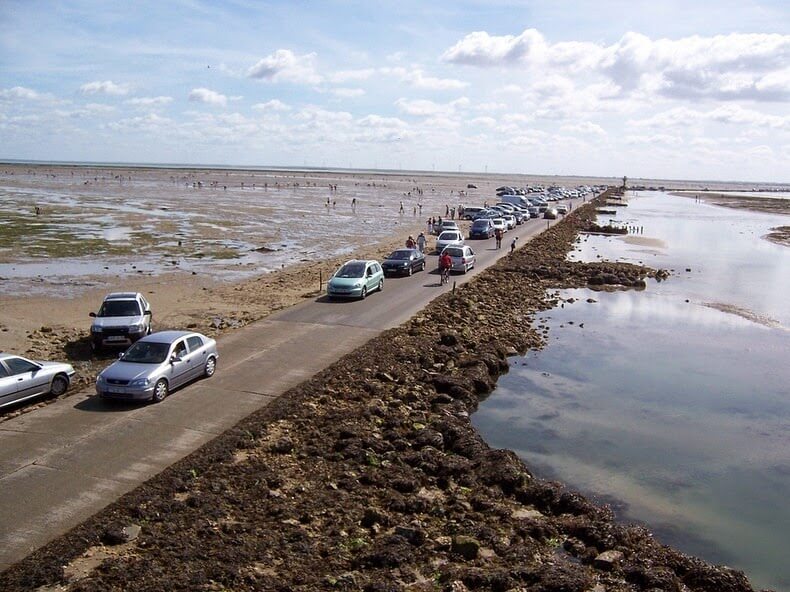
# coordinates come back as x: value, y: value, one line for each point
x: 671, y: 404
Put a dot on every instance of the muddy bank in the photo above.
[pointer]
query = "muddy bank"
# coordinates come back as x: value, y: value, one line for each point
x: 371, y: 477
x: 755, y: 203
x: 779, y: 235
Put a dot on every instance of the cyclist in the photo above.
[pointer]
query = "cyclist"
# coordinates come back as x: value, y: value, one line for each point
x: 445, y: 263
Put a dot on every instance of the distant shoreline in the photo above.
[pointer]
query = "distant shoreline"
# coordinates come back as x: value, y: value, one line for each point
x: 643, y: 182
x: 754, y: 203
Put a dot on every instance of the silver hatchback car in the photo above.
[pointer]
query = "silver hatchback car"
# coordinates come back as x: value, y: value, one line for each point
x: 157, y: 364
x: 22, y: 379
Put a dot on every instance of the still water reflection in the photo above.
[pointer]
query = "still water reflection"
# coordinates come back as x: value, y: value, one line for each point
x: 676, y: 410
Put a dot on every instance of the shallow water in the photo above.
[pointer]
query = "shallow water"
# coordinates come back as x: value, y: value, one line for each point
x: 672, y: 403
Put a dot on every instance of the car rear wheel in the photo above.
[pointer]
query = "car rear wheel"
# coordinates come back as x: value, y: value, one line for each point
x: 160, y: 391
x: 381, y: 285
x: 59, y: 386
x: 211, y: 367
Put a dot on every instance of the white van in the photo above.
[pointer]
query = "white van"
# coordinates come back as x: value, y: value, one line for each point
x: 518, y: 200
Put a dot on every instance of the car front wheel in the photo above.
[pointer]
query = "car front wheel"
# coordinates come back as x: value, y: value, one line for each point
x: 59, y: 386
x: 160, y: 391
x: 364, y: 292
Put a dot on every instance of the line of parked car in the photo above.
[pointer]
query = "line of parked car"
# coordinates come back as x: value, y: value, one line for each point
x: 357, y: 279
x: 154, y: 364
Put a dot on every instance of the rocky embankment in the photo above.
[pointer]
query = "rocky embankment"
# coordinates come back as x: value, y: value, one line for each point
x: 371, y: 477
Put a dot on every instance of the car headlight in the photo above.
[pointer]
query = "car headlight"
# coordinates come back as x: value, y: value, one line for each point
x: 99, y: 378
x: 95, y: 329
x: 136, y: 328
x: 139, y: 382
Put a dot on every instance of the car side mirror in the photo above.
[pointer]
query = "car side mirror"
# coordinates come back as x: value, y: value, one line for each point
x: 92, y: 314
x: 175, y: 358
x: 149, y: 313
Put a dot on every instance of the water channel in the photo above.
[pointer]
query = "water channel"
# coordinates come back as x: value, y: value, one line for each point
x: 673, y: 403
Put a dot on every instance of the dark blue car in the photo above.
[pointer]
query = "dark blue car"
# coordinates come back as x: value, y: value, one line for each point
x: 481, y: 228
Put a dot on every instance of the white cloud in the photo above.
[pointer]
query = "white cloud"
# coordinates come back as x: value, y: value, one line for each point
x: 379, y: 121
x: 149, y: 102
x: 425, y: 108
x: 147, y: 123
x: 724, y: 67
x: 481, y: 49
x: 19, y: 92
x: 272, y: 105
x: 484, y: 121
x: 285, y: 66
x: 419, y: 80
x: 207, y: 96
x: 584, y: 127
x: 347, y: 93
x: 728, y: 114
x: 106, y: 87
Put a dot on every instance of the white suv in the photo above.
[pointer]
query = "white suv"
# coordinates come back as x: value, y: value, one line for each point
x: 124, y: 317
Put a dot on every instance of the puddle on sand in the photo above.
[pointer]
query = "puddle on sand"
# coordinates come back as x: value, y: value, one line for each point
x: 117, y: 233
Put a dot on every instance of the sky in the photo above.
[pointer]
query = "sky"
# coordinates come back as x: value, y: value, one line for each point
x: 667, y: 90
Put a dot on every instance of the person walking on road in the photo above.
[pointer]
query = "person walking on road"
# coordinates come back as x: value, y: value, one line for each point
x: 513, y: 244
x: 421, y: 242
x: 410, y: 244
x: 498, y: 237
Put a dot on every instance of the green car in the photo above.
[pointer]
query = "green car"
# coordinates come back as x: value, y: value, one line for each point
x: 356, y: 279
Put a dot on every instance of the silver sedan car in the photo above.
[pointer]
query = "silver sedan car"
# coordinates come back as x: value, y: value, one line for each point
x: 22, y: 379
x: 158, y: 364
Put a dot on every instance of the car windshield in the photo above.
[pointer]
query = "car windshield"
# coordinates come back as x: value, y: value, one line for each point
x: 119, y: 308
x: 400, y: 255
x: 481, y: 223
x: 146, y: 352
x: 351, y: 270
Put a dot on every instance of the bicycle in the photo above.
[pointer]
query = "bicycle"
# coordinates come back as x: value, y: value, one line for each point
x: 445, y: 276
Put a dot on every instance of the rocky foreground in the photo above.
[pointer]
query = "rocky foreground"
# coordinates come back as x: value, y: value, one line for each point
x: 371, y: 477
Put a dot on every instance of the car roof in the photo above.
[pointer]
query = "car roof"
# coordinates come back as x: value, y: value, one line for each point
x: 168, y: 336
x: 122, y: 296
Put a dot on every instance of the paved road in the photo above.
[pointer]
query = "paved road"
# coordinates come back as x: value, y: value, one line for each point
x: 64, y: 462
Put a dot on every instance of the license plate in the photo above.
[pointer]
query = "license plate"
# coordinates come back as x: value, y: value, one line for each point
x: 116, y: 338
x: 115, y: 390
